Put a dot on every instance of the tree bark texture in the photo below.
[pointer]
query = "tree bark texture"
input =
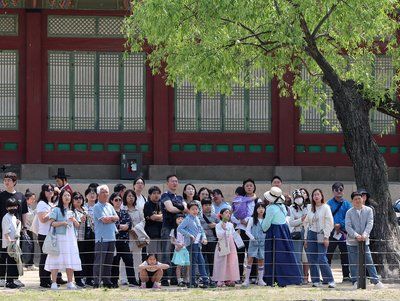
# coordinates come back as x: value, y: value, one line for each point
x: 370, y: 172
x: 370, y: 168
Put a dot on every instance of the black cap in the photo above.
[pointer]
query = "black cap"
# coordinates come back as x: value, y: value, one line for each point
x: 355, y: 193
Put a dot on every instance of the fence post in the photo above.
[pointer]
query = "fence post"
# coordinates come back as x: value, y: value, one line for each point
x: 362, y: 280
x: 101, y: 261
x: 273, y: 261
x: 191, y: 265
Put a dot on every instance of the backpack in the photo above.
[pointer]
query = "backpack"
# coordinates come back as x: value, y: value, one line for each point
x: 239, y: 206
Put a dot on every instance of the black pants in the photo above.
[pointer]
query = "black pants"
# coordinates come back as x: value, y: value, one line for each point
x: 86, y: 254
x: 124, y: 252
x: 344, y: 260
x: 11, y: 270
x: 208, y: 254
x: 43, y: 274
x: 30, y: 262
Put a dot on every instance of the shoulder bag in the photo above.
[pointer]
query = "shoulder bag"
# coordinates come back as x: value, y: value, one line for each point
x: 50, y: 244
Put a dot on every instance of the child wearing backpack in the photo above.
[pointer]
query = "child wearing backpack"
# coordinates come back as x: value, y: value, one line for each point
x: 226, y: 268
x: 257, y: 244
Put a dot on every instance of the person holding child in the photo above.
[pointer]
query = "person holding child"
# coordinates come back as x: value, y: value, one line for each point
x: 226, y: 266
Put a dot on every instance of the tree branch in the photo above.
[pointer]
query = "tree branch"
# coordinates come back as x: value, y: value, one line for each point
x: 390, y: 106
x: 324, y: 18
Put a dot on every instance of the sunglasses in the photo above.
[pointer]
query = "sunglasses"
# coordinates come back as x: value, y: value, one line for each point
x: 117, y: 200
x: 49, y: 190
x: 78, y: 198
x: 339, y: 189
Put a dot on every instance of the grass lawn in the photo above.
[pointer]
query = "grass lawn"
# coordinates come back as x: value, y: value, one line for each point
x: 252, y: 293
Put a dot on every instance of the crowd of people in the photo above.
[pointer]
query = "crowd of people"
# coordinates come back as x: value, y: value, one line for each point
x: 197, y: 239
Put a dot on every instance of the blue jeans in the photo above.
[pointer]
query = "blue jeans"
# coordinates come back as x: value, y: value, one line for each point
x: 298, y: 251
x: 353, y: 261
x: 316, y: 254
x: 197, y: 259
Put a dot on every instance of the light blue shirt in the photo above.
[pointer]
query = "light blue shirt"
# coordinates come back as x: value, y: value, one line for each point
x: 101, y: 230
x: 57, y: 216
x: 221, y: 206
x: 274, y: 214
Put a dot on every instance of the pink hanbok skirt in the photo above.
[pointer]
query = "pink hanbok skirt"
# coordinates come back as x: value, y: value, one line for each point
x: 226, y: 268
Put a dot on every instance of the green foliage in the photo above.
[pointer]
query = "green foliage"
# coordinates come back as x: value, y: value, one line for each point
x: 213, y: 43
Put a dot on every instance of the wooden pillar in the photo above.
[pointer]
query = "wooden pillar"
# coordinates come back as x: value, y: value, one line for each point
x: 286, y: 128
x: 160, y: 121
x: 34, y: 119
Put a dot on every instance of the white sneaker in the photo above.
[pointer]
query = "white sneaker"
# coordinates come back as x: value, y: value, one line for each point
x: 332, y: 284
x: 2, y: 282
x: 379, y: 286
x: 316, y: 284
x: 246, y: 283
x: 19, y: 283
x: 261, y: 282
x: 71, y: 286
x: 355, y: 285
x: 54, y: 286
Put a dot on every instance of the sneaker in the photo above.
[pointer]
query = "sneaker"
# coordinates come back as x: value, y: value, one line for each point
x: 230, y: 283
x: 212, y: 284
x: 45, y: 285
x: 220, y: 284
x: 54, y: 286
x: 181, y: 284
x: 203, y: 285
x: 2, y: 282
x: 143, y: 285
x: 61, y: 281
x: 79, y: 284
x: 156, y: 285
x: 246, y: 283
x: 261, y: 282
x: 19, y: 283
x: 332, y: 284
x: 11, y: 285
x: 71, y: 286
x: 316, y: 284
x: 174, y: 281
x: 164, y: 282
x: 379, y: 285
x: 355, y: 285
x: 346, y: 279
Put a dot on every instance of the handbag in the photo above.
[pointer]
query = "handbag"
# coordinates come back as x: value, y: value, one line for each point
x: 27, y: 248
x: 296, y: 235
x: 50, y: 244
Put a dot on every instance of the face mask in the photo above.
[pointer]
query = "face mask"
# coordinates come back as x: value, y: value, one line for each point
x: 12, y: 211
x: 298, y: 201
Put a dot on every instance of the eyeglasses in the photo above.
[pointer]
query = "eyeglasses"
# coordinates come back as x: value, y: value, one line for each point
x: 78, y: 198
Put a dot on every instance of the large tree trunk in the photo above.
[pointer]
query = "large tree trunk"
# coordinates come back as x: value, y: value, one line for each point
x: 369, y: 165
x: 370, y: 172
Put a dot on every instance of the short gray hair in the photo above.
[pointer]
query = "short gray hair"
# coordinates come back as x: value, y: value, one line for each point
x: 102, y: 187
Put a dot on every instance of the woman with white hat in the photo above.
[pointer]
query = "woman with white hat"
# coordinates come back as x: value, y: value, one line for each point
x: 280, y: 262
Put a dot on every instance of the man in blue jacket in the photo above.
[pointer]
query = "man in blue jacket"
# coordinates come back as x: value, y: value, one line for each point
x: 339, y: 207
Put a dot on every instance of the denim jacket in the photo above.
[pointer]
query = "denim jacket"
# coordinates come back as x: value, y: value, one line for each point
x: 57, y: 216
x: 191, y: 226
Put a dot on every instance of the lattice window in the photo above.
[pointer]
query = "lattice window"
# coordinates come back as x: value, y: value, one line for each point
x: 8, y: 90
x: 245, y: 110
x: 380, y: 123
x: 384, y: 71
x: 96, y: 91
x: 8, y: 25
x: 84, y: 26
